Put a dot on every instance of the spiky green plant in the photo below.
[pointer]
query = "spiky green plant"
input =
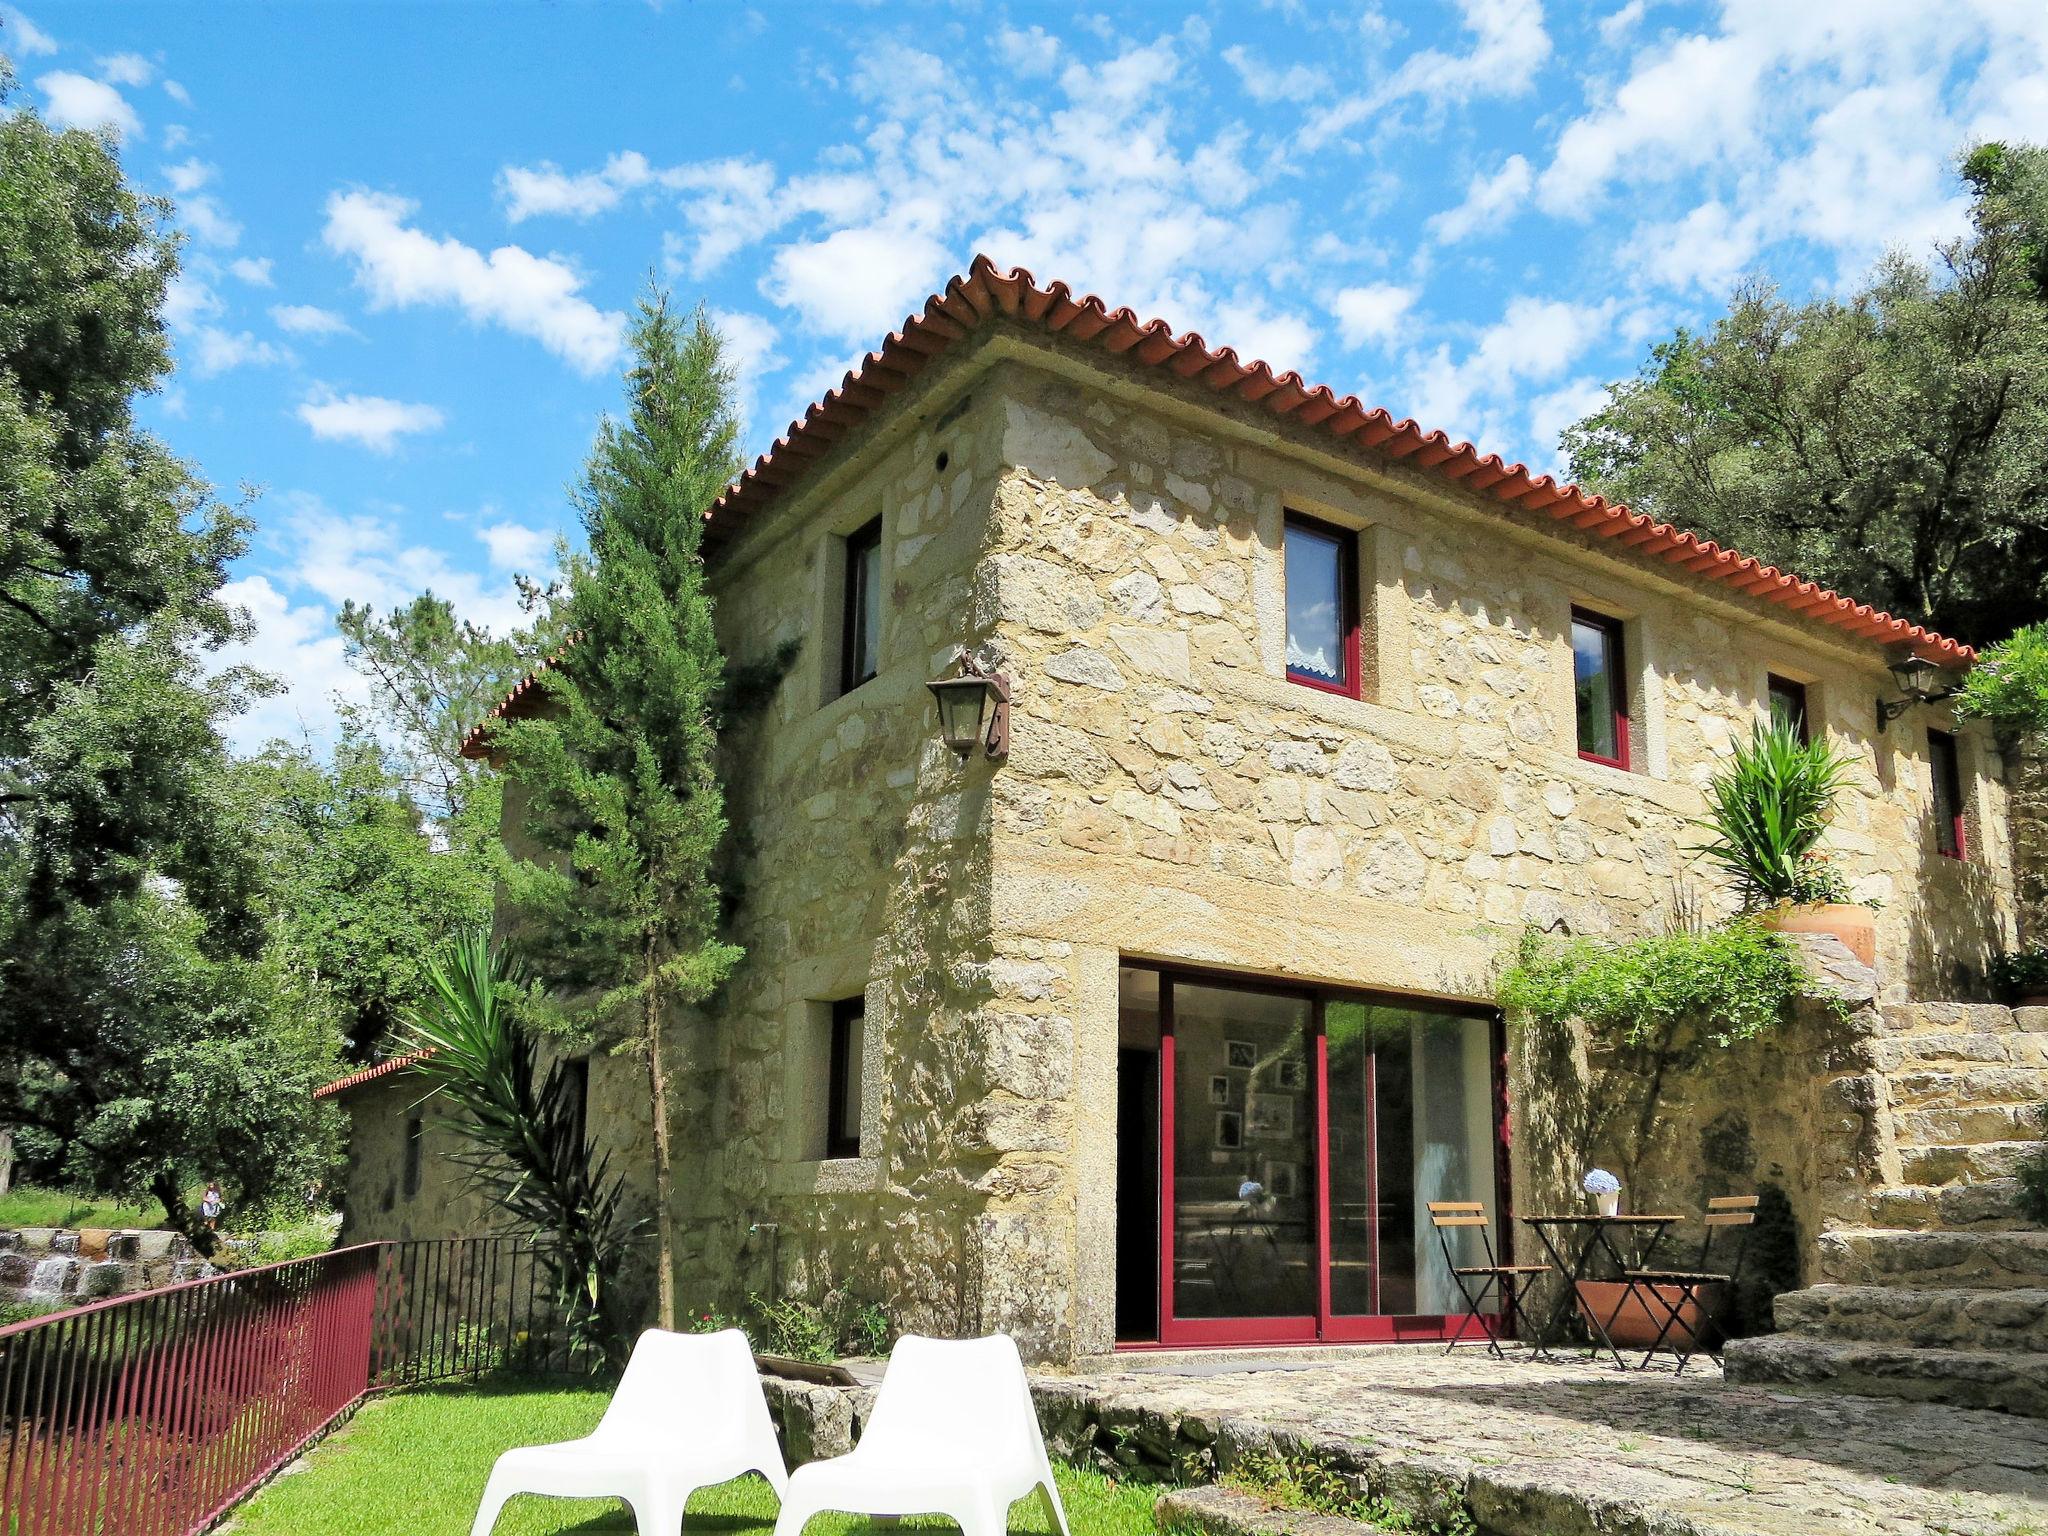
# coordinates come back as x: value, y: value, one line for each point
x: 1767, y: 811
x: 522, y: 1145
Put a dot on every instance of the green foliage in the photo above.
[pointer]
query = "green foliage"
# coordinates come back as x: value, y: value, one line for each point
x: 1303, y: 1483
x: 523, y: 1146
x: 413, y: 1461
x: 26, y: 1205
x: 1893, y: 445
x: 621, y: 913
x: 363, y: 889
x: 801, y: 1330
x: 1734, y: 983
x: 146, y: 1037
x: 1766, y: 812
x: 2018, y: 972
x: 2009, y: 684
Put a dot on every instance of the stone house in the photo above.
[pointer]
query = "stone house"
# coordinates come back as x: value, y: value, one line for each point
x: 1162, y: 1027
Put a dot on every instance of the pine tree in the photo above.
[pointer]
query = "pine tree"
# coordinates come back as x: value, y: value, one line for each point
x: 620, y: 917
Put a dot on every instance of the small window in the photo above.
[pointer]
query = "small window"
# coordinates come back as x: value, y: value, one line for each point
x: 414, y: 1134
x: 1788, y: 704
x: 861, y: 643
x: 1948, y: 796
x: 1321, y: 566
x: 1601, y: 687
x: 843, y: 1085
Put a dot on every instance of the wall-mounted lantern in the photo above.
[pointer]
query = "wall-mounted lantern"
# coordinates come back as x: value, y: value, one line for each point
x: 965, y: 701
x: 1919, y: 680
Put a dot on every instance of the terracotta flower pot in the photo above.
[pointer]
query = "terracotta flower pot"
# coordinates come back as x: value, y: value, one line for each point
x: 1854, y: 925
x: 1639, y: 1320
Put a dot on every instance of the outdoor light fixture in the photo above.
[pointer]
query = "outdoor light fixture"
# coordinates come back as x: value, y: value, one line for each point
x: 1919, y: 680
x: 965, y: 701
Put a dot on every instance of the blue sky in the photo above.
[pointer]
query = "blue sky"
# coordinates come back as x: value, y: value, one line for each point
x: 414, y: 231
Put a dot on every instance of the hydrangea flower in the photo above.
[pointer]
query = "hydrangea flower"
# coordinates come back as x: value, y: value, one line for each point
x: 1601, y: 1182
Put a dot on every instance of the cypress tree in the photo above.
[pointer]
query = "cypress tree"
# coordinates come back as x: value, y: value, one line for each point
x: 620, y: 915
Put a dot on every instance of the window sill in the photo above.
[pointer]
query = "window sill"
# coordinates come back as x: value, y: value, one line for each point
x: 831, y: 1175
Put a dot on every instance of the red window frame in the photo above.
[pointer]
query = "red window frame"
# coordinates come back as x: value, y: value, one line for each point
x: 842, y: 1074
x: 1776, y: 688
x: 1346, y: 540
x: 857, y: 666
x: 1324, y: 1326
x: 1617, y: 669
x: 1951, y: 837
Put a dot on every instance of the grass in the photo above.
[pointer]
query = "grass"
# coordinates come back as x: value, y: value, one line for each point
x: 416, y: 1462
x: 29, y: 1206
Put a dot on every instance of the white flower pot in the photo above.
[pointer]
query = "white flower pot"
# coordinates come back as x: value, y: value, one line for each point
x: 1608, y: 1204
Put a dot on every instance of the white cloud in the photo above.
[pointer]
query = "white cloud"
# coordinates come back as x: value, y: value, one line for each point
x: 207, y: 219
x: 1032, y: 52
x: 1488, y: 197
x: 750, y: 348
x: 127, y: 69
x: 78, y: 101
x: 1509, y: 47
x: 1475, y: 396
x: 22, y: 37
x: 188, y: 176
x: 177, y: 93
x: 534, y: 296
x: 531, y: 191
x: 190, y: 299
x: 852, y: 282
x: 515, y: 547
x: 1372, y: 313
x: 1266, y: 83
x: 1551, y: 413
x: 369, y: 421
x: 309, y: 320
x: 1620, y: 23
x: 215, y: 351
x: 253, y: 270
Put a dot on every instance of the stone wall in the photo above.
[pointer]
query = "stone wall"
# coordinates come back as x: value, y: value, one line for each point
x: 2027, y: 786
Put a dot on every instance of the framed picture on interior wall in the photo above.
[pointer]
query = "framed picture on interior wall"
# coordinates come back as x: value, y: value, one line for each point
x: 1269, y: 1116
x: 1283, y: 1180
x: 1241, y: 1054
x: 1229, y: 1129
x: 1291, y: 1074
x: 1219, y: 1090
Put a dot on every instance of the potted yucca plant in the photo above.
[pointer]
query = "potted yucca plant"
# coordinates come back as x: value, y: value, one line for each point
x: 1766, y: 814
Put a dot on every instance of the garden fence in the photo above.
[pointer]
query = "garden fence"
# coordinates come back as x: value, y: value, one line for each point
x: 154, y: 1414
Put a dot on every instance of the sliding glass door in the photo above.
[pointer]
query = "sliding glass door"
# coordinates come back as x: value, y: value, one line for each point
x: 1302, y: 1134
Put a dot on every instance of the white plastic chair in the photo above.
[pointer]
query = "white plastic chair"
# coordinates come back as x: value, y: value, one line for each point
x: 953, y: 1433
x: 689, y: 1412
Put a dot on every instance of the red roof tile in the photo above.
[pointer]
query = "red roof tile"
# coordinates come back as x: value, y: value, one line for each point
x: 383, y: 1068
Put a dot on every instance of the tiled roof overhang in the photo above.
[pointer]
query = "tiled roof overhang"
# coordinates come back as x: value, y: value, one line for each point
x: 385, y: 1068
x: 986, y: 294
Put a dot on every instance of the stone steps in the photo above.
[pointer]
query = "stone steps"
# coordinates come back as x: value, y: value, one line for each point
x: 1966, y: 1123
x: 1920, y: 1317
x: 1920, y: 1019
x: 1949, y: 1051
x: 1964, y: 1163
x: 1983, y: 1205
x: 1900, y: 1257
x: 1967, y: 1087
x: 2012, y: 1381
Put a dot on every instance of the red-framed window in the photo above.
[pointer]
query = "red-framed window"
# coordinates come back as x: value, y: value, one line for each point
x: 861, y: 610
x: 843, y: 1077
x: 1600, y: 688
x: 1788, y: 704
x: 1950, y: 838
x: 1321, y: 575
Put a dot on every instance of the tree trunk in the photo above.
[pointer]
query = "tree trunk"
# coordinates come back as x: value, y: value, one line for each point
x: 181, y: 1218
x: 657, y: 1087
x: 6, y: 1159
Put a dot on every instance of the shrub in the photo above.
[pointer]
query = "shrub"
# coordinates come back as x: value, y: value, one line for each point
x: 2033, y: 1196
x: 1766, y: 812
x: 802, y: 1330
x: 2009, y: 684
x: 2020, y: 972
x: 1735, y: 983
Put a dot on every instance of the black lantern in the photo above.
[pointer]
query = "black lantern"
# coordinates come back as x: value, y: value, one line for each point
x: 968, y: 699
x: 1919, y: 680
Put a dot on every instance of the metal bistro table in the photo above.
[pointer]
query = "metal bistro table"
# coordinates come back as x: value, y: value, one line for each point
x: 1597, y: 1236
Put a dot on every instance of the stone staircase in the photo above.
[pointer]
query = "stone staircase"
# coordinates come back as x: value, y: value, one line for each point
x: 1935, y: 1289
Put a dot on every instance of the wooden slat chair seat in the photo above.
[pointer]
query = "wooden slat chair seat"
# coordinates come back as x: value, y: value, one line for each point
x: 1738, y: 1211
x: 1510, y: 1282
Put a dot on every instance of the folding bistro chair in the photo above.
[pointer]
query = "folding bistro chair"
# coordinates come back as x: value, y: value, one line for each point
x: 1722, y: 1211
x: 1510, y: 1282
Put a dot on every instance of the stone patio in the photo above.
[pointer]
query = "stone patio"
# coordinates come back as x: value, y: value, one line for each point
x: 1536, y: 1449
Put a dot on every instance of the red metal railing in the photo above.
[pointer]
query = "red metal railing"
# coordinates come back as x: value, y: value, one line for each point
x: 153, y: 1414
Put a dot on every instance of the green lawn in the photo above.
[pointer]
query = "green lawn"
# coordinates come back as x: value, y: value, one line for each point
x: 27, y: 1206
x: 415, y: 1462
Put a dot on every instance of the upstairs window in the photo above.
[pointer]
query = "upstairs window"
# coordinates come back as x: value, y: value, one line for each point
x: 843, y: 1077
x: 1321, y: 574
x: 1788, y: 704
x: 1948, y: 796
x: 861, y: 607
x: 1600, y: 686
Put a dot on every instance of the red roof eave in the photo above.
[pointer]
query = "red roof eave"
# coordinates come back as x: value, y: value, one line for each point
x: 385, y: 1068
x: 986, y: 292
